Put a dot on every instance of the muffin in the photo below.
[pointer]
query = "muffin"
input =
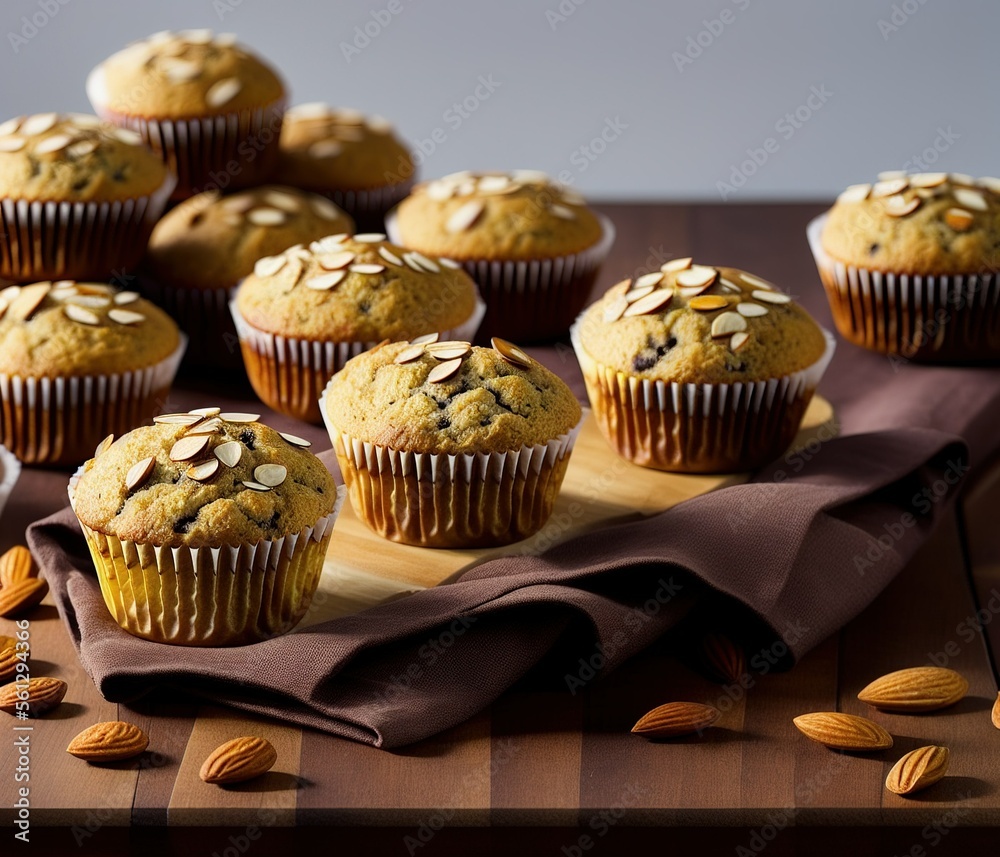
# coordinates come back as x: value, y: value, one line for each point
x: 79, y: 361
x: 909, y: 265
x: 210, y: 107
x: 355, y: 160
x: 697, y: 369
x: 304, y: 313
x: 201, y: 250
x: 443, y: 444
x: 206, y: 528
x: 76, y: 199
x: 531, y: 244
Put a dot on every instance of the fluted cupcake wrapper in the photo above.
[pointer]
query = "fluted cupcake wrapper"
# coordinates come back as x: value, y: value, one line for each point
x: 10, y: 470
x: 211, y: 596
x: 53, y: 240
x: 452, y: 501
x: 60, y: 420
x: 290, y: 374
x: 368, y: 208
x: 532, y: 300
x: 953, y: 318
x: 698, y: 428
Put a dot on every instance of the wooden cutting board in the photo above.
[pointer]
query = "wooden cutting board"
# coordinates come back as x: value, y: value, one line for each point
x: 363, y: 569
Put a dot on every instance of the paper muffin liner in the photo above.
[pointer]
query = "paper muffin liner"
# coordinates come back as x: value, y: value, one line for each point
x: 951, y: 318
x: 203, y: 314
x: 452, y: 501
x: 368, y: 208
x: 698, y: 428
x: 10, y: 470
x: 53, y: 240
x: 532, y: 300
x: 211, y: 596
x: 201, y: 150
x: 290, y: 374
x: 60, y: 420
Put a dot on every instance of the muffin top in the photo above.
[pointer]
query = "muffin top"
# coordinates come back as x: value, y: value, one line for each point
x: 75, y: 158
x: 203, y: 479
x: 450, y: 397
x: 184, y: 74
x: 359, y: 289
x: 70, y: 328
x: 328, y: 149
x: 700, y: 325
x: 926, y: 223
x: 212, y: 242
x: 518, y: 215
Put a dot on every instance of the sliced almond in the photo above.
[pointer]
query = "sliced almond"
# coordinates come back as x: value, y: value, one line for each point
x: 422, y: 261
x: 284, y: 201
x: 126, y: 317
x: 325, y: 282
x: 708, y: 303
x: 104, y: 446
x: 448, y: 349
x: 80, y: 315
x: 267, y: 217
x: 563, y: 212
x: 123, y: 298
x: 616, y: 308
x: 899, y: 206
x: 889, y: 187
x: 652, y: 279
x: 959, y: 219
x: 928, y: 179
x: 335, y: 261
x: 653, y: 302
x: 177, y: 419
x: 751, y: 310
x: 269, y: 266
x: 127, y: 136
x: 970, y: 198
x: 855, y: 193
x: 295, y: 440
x: 770, y: 297
x: 367, y: 269
x: 727, y: 324
x: 222, y: 91
x: 464, y: 217
x: 139, y: 473
x: 632, y: 295
x: 409, y: 354
x: 88, y: 301
x: 212, y: 425
x: 188, y: 447
x: 511, y: 353
x: 270, y: 475
x: 326, y: 149
x: 443, y: 371
x: 255, y: 486
x: 53, y: 144
x: 738, y: 340
x: 12, y: 144
x: 28, y: 299
x: 369, y: 237
x: 676, y: 265
x: 389, y: 256
x: 917, y: 770
x: 962, y: 179
x: 203, y: 470
x: 426, y: 339
x: 229, y: 453
x: 206, y: 412
x: 697, y: 276
x: 324, y: 208
x: 236, y: 417
x: 38, y: 124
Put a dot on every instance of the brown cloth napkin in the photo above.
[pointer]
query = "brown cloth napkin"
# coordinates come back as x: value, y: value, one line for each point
x: 803, y: 548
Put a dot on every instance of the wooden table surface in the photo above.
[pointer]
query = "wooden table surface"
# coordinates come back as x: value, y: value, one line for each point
x: 548, y: 770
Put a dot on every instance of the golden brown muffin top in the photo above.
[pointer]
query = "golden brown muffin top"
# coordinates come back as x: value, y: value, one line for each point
x: 450, y: 397
x: 326, y: 149
x: 203, y: 479
x: 360, y: 289
x: 696, y: 324
x: 926, y: 223
x: 212, y: 242
x: 185, y: 74
x: 517, y: 215
x: 75, y: 158
x: 69, y: 328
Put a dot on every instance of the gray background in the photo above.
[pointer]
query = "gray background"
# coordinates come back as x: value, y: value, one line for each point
x: 917, y: 96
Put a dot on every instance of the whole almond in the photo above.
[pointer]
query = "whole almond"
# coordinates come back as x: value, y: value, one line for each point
x: 108, y: 742
x: 8, y: 658
x: 676, y: 718
x: 17, y: 565
x: 724, y: 659
x: 915, y: 689
x: 996, y: 712
x: 917, y: 770
x: 238, y: 760
x: 843, y: 731
x: 44, y: 694
x: 21, y: 596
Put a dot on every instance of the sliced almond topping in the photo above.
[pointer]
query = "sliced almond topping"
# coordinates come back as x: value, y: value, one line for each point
x: 632, y: 295
x: 127, y: 136
x: 369, y: 237
x: 335, y: 261
x: 212, y: 425
x: 326, y: 149
x: 697, y: 276
x: 990, y: 183
x: 389, y: 256
x: 756, y: 282
x: 324, y: 208
x: 325, y: 282
x: 295, y: 440
x: 426, y: 339
x: 889, y: 187
x: 959, y: 219
x: 38, y: 124
x: 89, y: 301
x: 422, y: 263
x: 962, y: 179
x: 891, y: 175
x: 676, y: 265
x: 465, y: 216
x: 494, y: 184
x: 255, y: 486
x: 730, y: 286
x: 900, y: 206
x: 80, y: 315
x: 180, y: 71
x: 443, y: 371
x: 367, y: 269
x: 440, y: 191
x: 448, y: 350
x: 616, y: 308
x: 53, y: 144
x: 12, y: 144
x: 188, y: 447
x: 203, y: 470
x: 727, y: 324
x: 770, y: 297
x: 81, y: 149
x: 123, y: 298
x: 271, y: 475
x: 206, y: 412
x: 409, y: 354
x: 970, y: 198
x: 177, y: 419
x: 739, y: 340
x: 104, y: 445
x: 222, y: 92
x: 708, y: 303
x: 928, y: 179
x: 855, y: 193
x: 267, y: 217
x: 651, y: 303
x: 751, y: 310
x: 284, y: 201
x: 28, y: 299
x: 511, y: 353
x: 652, y: 279
x: 126, y: 317
x: 229, y: 453
x: 449, y: 263
x: 139, y: 473
x: 237, y: 417
x: 563, y: 212
x: 311, y: 110
x: 9, y: 127
x: 269, y: 266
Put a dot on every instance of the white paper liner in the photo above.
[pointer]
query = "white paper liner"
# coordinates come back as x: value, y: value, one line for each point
x: 10, y: 470
x: 60, y: 420
x: 703, y: 428
x: 953, y: 317
x: 211, y: 596
x: 195, y: 148
x: 452, y: 500
x: 531, y: 300
x: 293, y: 372
x: 51, y: 240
